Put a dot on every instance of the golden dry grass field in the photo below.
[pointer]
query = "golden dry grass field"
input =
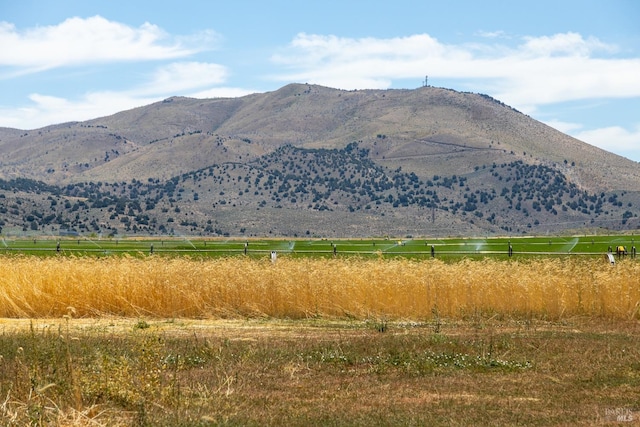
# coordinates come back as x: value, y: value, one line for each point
x: 239, y: 287
x: 240, y: 341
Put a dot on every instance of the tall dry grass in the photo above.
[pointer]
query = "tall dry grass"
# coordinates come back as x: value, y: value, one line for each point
x: 298, y: 288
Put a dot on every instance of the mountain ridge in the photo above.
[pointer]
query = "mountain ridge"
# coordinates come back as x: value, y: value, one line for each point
x: 471, y: 141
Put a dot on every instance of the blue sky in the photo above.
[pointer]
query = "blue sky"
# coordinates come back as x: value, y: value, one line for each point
x: 573, y: 64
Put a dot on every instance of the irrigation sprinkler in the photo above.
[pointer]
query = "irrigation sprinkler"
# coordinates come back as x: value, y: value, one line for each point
x: 184, y: 239
x: 609, y: 257
x: 91, y: 241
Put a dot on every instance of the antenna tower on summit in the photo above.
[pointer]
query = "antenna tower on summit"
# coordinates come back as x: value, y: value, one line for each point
x: 426, y: 81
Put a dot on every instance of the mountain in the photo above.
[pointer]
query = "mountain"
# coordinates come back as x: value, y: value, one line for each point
x: 307, y: 160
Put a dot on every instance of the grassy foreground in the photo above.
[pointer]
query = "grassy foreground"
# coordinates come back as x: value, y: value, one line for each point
x: 239, y: 341
x: 478, y: 372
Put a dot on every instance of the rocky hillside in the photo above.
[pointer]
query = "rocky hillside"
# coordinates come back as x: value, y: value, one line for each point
x: 313, y: 161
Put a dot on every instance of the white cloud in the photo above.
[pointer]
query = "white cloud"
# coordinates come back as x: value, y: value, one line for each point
x: 546, y: 80
x: 46, y: 110
x: 83, y: 41
x: 360, y: 61
x: 615, y: 139
x: 366, y: 63
x: 567, y: 44
x: 565, y: 127
x: 178, y: 77
x: 79, y: 41
x: 222, y: 92
x: 491, y: 34
x: 541, y: 70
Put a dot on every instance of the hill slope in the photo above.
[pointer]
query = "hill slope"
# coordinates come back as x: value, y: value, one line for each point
x: 310, y: 160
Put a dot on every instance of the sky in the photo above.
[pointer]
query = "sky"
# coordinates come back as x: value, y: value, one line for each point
x: 572, y: 64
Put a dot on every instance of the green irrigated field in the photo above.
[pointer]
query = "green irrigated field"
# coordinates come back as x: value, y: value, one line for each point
x: 499, y: 247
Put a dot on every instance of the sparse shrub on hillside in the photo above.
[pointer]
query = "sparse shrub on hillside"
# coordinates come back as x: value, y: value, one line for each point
x: 320, y: 180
